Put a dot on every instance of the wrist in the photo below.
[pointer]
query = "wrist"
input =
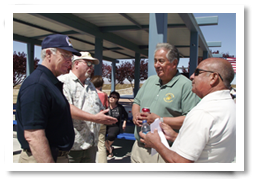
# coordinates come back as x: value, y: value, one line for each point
x: 161, y: 119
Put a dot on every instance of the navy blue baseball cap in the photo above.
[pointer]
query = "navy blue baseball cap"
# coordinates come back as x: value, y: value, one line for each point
x: 59, y: 41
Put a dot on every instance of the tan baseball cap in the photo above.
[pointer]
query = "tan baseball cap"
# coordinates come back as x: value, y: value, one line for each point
x: 86, y: 56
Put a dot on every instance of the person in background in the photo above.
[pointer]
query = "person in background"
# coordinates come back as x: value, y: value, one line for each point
x: 168, y: 95
x: 44, y: 125
x: 208, y: 134
x: 86, y: 108
x: 98, y: 82
x: 233, y: 93
x: 119, y: 112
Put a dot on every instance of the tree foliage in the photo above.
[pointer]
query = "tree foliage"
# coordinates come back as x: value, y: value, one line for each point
x: 19, y: 67
x: 125, y: 71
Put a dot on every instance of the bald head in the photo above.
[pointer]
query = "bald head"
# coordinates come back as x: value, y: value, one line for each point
x: 221, y: 66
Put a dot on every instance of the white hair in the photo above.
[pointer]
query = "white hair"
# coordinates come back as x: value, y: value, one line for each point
x: 43, y: 52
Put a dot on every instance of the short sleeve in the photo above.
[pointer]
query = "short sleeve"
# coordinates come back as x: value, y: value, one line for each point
x: 194, y: 135
x: 137, y: 99
x: 35, y: 109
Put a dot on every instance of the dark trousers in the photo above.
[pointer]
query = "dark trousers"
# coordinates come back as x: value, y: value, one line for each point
x: 112, y: 131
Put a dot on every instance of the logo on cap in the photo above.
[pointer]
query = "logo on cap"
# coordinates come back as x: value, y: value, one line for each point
x: 68, y: 41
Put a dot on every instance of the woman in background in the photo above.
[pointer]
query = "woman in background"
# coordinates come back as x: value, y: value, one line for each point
x: 98, y: 82
x: 119, y: 112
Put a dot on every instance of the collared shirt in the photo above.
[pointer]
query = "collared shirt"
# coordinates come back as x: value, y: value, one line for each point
x: 84, y: 97
x: 208, y: 134
x: 169, y: 100
x: 42, y: 105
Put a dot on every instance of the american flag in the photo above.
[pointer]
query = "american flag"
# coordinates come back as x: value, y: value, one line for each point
x: 233, y: 63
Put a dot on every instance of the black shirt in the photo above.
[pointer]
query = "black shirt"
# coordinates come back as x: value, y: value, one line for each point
x: 42, y: 105
x: 120, y: 113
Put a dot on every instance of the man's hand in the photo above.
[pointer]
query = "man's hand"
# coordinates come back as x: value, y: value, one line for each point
x: 151, y: 140
x: 149, y: 117
x: 169, y: 133
x: 101, y: 118
x: 136, y: 119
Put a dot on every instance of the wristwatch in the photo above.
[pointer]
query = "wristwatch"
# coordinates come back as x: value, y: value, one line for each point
x: 161, y: 119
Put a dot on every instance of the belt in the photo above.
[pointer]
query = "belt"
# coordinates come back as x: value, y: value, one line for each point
x: 60, y: 153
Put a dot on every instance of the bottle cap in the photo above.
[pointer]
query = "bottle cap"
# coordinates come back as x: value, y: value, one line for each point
x: 144, y: 121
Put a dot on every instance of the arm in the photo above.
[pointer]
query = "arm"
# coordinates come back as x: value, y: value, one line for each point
x: 125, y: 114
x: 136, y: 115
x: 124, y: 125
x: 174, y: 122
x: 39, y: 146
x: 100, y: 118
x: 106, y: 101
x: 152, y: 140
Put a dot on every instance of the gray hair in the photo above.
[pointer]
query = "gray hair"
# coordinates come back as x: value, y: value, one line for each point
x: 43, y: 52
x: 172, y: 53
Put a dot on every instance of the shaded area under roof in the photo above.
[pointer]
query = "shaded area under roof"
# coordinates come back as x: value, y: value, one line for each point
x: 123, y: 34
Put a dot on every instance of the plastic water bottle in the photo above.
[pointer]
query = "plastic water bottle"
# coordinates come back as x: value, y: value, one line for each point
x: 145, y: 128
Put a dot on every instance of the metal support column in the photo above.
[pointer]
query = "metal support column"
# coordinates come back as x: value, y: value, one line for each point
x: 30, y: 59
x: 193, y: 52
x: 157, y: 34
x: 98, y: 55
x: 205, y: 55
x: 136, y: 73
x: 113, y: 75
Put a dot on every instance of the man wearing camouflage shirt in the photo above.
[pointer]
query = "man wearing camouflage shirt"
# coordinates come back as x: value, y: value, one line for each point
x: 86, y: 108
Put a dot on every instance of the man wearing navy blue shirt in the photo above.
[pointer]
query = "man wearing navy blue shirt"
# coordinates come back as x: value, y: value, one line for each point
x: 44, y: 125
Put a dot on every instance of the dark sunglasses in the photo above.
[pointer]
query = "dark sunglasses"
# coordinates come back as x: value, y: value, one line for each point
x: 196, y: 72
x: 113, y: 97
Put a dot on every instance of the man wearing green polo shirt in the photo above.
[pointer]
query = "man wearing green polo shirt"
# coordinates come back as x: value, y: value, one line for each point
x: 168, y: 95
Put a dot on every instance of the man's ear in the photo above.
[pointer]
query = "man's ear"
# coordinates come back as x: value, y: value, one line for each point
x: 48, y: 53
x: 214, y: 79
x: 175, y: 63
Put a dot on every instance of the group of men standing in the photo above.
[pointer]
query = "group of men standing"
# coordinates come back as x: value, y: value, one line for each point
x: 59, y: 112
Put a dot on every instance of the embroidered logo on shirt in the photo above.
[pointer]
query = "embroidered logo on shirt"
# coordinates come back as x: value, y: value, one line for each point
x: 169, y: 97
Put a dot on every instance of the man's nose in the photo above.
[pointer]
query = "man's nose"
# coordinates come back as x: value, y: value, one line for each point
x: 192, y: 76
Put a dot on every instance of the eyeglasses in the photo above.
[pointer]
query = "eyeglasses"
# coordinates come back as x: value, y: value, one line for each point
x: 196, y: 72
x: 66, y: 56
x: 113, y: 97
x: 89, y: 64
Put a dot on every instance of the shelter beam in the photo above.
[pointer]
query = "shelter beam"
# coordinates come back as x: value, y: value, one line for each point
x: 98, y: 55
x: 193, y: 52
x: 30, y: 59
x: 136, y: 73
x: 157, y: 34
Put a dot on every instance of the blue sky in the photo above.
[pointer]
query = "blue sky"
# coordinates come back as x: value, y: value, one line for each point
x: 225, y: 32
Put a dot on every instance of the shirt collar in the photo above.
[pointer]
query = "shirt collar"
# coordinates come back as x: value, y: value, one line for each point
x: 171, y: 82
x: 74, y: 78
x: 217, y: 95
x: 49, y: 73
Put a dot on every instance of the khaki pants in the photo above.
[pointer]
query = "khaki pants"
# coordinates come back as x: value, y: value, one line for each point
x: 27, y: 157
x: 101, y: 154
x: 83, y: 156
x: 140, y: 154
